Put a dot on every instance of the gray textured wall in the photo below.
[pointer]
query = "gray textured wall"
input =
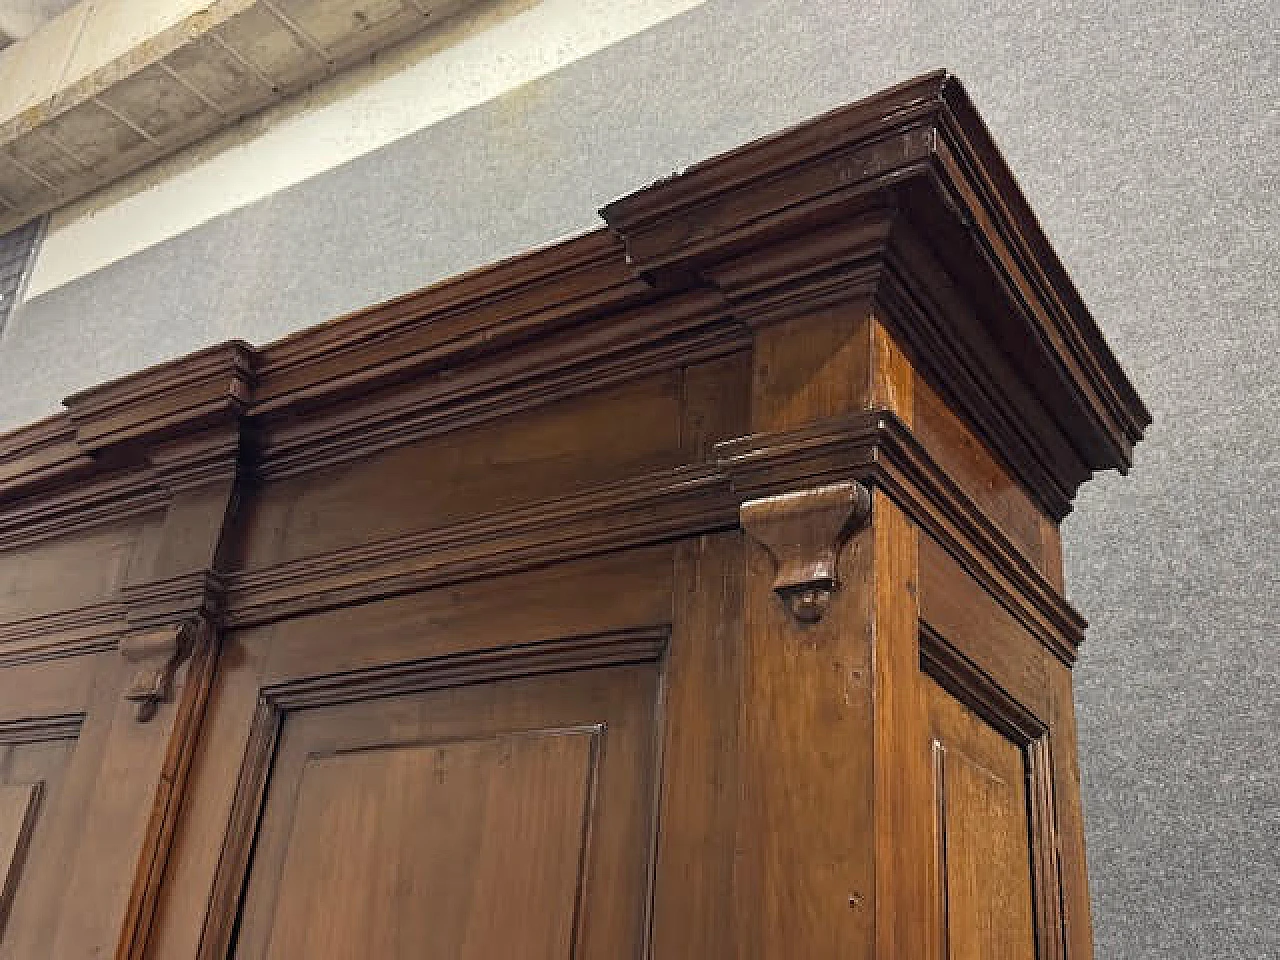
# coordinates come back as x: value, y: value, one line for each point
x: 1144, y: 134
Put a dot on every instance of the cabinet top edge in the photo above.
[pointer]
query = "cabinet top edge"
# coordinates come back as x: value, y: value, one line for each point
x: 918, y: 151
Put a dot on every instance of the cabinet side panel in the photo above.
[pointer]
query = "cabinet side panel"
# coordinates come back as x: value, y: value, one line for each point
x: 958, y: 607
x: 972, y: 465
x: 999, y: 741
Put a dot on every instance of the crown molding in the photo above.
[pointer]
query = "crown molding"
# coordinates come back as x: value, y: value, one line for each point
x: 922, y: 149
x: 637, y: 512
x: 66, y: 633
x: 901, y: 199
x: 451, y: 322
x: 70, y: 509
x: 164, y: 400
x: 585, y: 357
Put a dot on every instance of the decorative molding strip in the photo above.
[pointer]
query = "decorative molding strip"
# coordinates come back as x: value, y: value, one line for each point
x: 614, y: 648
x: 632, y: 513
x: 176, y: 396
x: 873, y: 447
x: 112, y: 499
x: 173, y: 600
x: 924, y: 308
x: 157, y: 654
x: 974, y: 687
x: 67, y: 633
x: 64, y: 727
x: 817, y: 269
x: 19, y: 809
x: 591, y: 356
x: 913, y: 478
x: 44, y: 452
x: 876, y: 447
x: 197, y: 460
x: 803, y: 532
x: 121, y: 491
x: 513, y: 301
x: 828, y: 451
x: 1012, y: 235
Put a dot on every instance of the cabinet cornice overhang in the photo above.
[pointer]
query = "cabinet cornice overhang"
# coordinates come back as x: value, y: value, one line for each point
x: 919, y: 148
x: 819, y: 211
x: 900, y: 203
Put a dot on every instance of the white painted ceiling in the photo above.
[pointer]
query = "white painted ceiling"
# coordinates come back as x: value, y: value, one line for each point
x: 104, y: 91
x: 20, y: 18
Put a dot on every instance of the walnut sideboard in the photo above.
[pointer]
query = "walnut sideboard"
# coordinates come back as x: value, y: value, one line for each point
x: 688, y: 589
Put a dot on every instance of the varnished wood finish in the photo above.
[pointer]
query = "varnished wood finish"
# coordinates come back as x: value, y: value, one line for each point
x: 493, y: 819
x: 803, y: 532
x: 18, y: 806
x: 691, y: 588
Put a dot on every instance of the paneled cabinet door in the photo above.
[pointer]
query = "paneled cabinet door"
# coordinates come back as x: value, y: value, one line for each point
x: 34, y: 757
x: 500, y: 818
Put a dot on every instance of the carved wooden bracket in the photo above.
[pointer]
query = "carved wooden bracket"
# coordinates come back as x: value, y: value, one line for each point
x: 804, y: 532
x: 158, y: 654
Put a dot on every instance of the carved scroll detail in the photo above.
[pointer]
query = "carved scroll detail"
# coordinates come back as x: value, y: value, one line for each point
x: 158, y: 654
x: 804, y: 532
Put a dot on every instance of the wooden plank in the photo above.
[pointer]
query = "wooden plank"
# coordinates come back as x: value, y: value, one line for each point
x: 903, y: 834
x: 701, y: 786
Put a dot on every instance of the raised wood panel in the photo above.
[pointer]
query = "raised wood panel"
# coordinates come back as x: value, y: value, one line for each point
x: 64, y: 574
x: 984, y: 849
x: 464, y: 850
x: 602, y: 597
x: 511, y: 818
x: 34, y: 760
x: 535, y: 455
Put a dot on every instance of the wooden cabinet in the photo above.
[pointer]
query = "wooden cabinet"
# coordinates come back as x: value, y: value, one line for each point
x: 688, y: 589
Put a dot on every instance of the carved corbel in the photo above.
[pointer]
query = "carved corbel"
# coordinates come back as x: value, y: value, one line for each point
x: 157, y: 655
x: 803, y: 532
